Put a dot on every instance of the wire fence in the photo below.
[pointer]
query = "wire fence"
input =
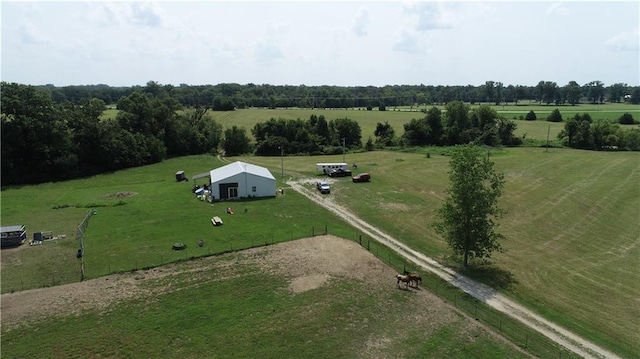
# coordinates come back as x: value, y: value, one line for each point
x: 82, y: 227
x: 521, y: 335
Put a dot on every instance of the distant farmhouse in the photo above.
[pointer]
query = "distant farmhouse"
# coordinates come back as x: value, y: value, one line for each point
x: 239, y: 180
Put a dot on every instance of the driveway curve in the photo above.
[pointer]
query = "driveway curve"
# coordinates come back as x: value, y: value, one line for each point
x: 482, y: 292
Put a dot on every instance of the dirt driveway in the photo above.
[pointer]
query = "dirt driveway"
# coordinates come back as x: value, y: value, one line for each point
x: 478, y: 290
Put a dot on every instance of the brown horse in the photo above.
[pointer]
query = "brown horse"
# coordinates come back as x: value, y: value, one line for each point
x: 403, y: 278
x: 413, y: 278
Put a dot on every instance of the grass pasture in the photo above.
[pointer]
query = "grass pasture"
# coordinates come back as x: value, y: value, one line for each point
x: 139, y: 229
x: 572, y: 225
x: 241, y: 305
x: 572, y: 228
x: 537, y: 130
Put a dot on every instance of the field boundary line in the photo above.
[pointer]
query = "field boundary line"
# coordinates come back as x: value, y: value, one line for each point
x: 482, y: 292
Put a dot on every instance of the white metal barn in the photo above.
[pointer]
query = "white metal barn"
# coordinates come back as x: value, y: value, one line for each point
x: 240, y: 180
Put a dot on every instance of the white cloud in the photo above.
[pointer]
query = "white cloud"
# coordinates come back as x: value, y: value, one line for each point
x: 145, y: 14
x: 29, y: 34
x: 128, y: 42
x: 361, y: 22
x: 268, y: 47
x: 626, y: 41
x: 558, y: 8
x: 431, y: 15
x: 407, y: 41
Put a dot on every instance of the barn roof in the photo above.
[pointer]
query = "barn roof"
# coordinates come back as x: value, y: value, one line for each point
x: 14, y: 228
x: 238, y: 167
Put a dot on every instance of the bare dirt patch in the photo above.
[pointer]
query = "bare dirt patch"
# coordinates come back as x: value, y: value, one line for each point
x: 307, y: 264
x: 394, y: 207
x: 119, y: 195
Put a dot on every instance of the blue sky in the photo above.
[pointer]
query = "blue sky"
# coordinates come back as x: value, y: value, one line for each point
x: 342, y: 43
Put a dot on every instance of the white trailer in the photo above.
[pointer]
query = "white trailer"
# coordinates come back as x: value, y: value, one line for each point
x: 328, y: 167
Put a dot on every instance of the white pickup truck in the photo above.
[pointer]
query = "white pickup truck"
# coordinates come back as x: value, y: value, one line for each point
x: 323, y: 187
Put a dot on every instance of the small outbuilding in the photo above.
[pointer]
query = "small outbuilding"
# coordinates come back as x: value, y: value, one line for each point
x: 239, y: 180
x: 13, y: 236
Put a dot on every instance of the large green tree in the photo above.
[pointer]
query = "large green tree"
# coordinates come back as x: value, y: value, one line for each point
x: 384, y: 133
x: 37, y: 145
x: 572, y: 92
x: 236, y: 141
x: 466, y: 219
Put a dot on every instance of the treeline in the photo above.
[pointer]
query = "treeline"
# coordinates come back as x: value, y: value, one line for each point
x: 582, y: 132
x: 228, y: 96
x: 44, y: 140
x: 457, y: 124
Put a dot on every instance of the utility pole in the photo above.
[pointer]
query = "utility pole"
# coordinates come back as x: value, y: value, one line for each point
x: 343, y: 140
x: 282, y: 161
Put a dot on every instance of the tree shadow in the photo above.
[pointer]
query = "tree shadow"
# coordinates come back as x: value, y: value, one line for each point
x: 489, y: 274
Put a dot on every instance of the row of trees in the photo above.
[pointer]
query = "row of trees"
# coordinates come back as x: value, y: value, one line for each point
x: 457, y: 124
x: 313, y: 136
x: 46, y: 141
x: 228, y: 96
x: 582, y: 132
x: 43, y: 140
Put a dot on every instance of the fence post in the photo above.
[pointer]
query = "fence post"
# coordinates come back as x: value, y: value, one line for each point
x: 360, y: 239
x: 368, y: 242
x: 313, y: 231
x: 326, y: 230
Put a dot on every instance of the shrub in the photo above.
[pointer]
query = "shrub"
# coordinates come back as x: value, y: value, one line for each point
x: 555, y: 116
x: 626, y: 119
x: 531, y: 116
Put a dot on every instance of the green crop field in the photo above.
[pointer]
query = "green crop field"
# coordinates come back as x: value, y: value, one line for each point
x: 572, y: 225
x: 247, y: 118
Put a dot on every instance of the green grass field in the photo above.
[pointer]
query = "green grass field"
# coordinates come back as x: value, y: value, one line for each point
x: 202, y: 309
x: 572, y: 222
x: 247, y: 118
x: 572, y: 225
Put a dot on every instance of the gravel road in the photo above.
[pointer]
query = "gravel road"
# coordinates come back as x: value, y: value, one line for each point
x: 478, y: 290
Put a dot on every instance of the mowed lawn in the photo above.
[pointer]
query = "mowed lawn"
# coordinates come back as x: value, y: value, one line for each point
x: 572, y: 226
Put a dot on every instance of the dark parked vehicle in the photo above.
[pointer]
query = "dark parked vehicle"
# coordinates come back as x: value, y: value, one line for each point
x: 340, y: 173
x: 363, y: 177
